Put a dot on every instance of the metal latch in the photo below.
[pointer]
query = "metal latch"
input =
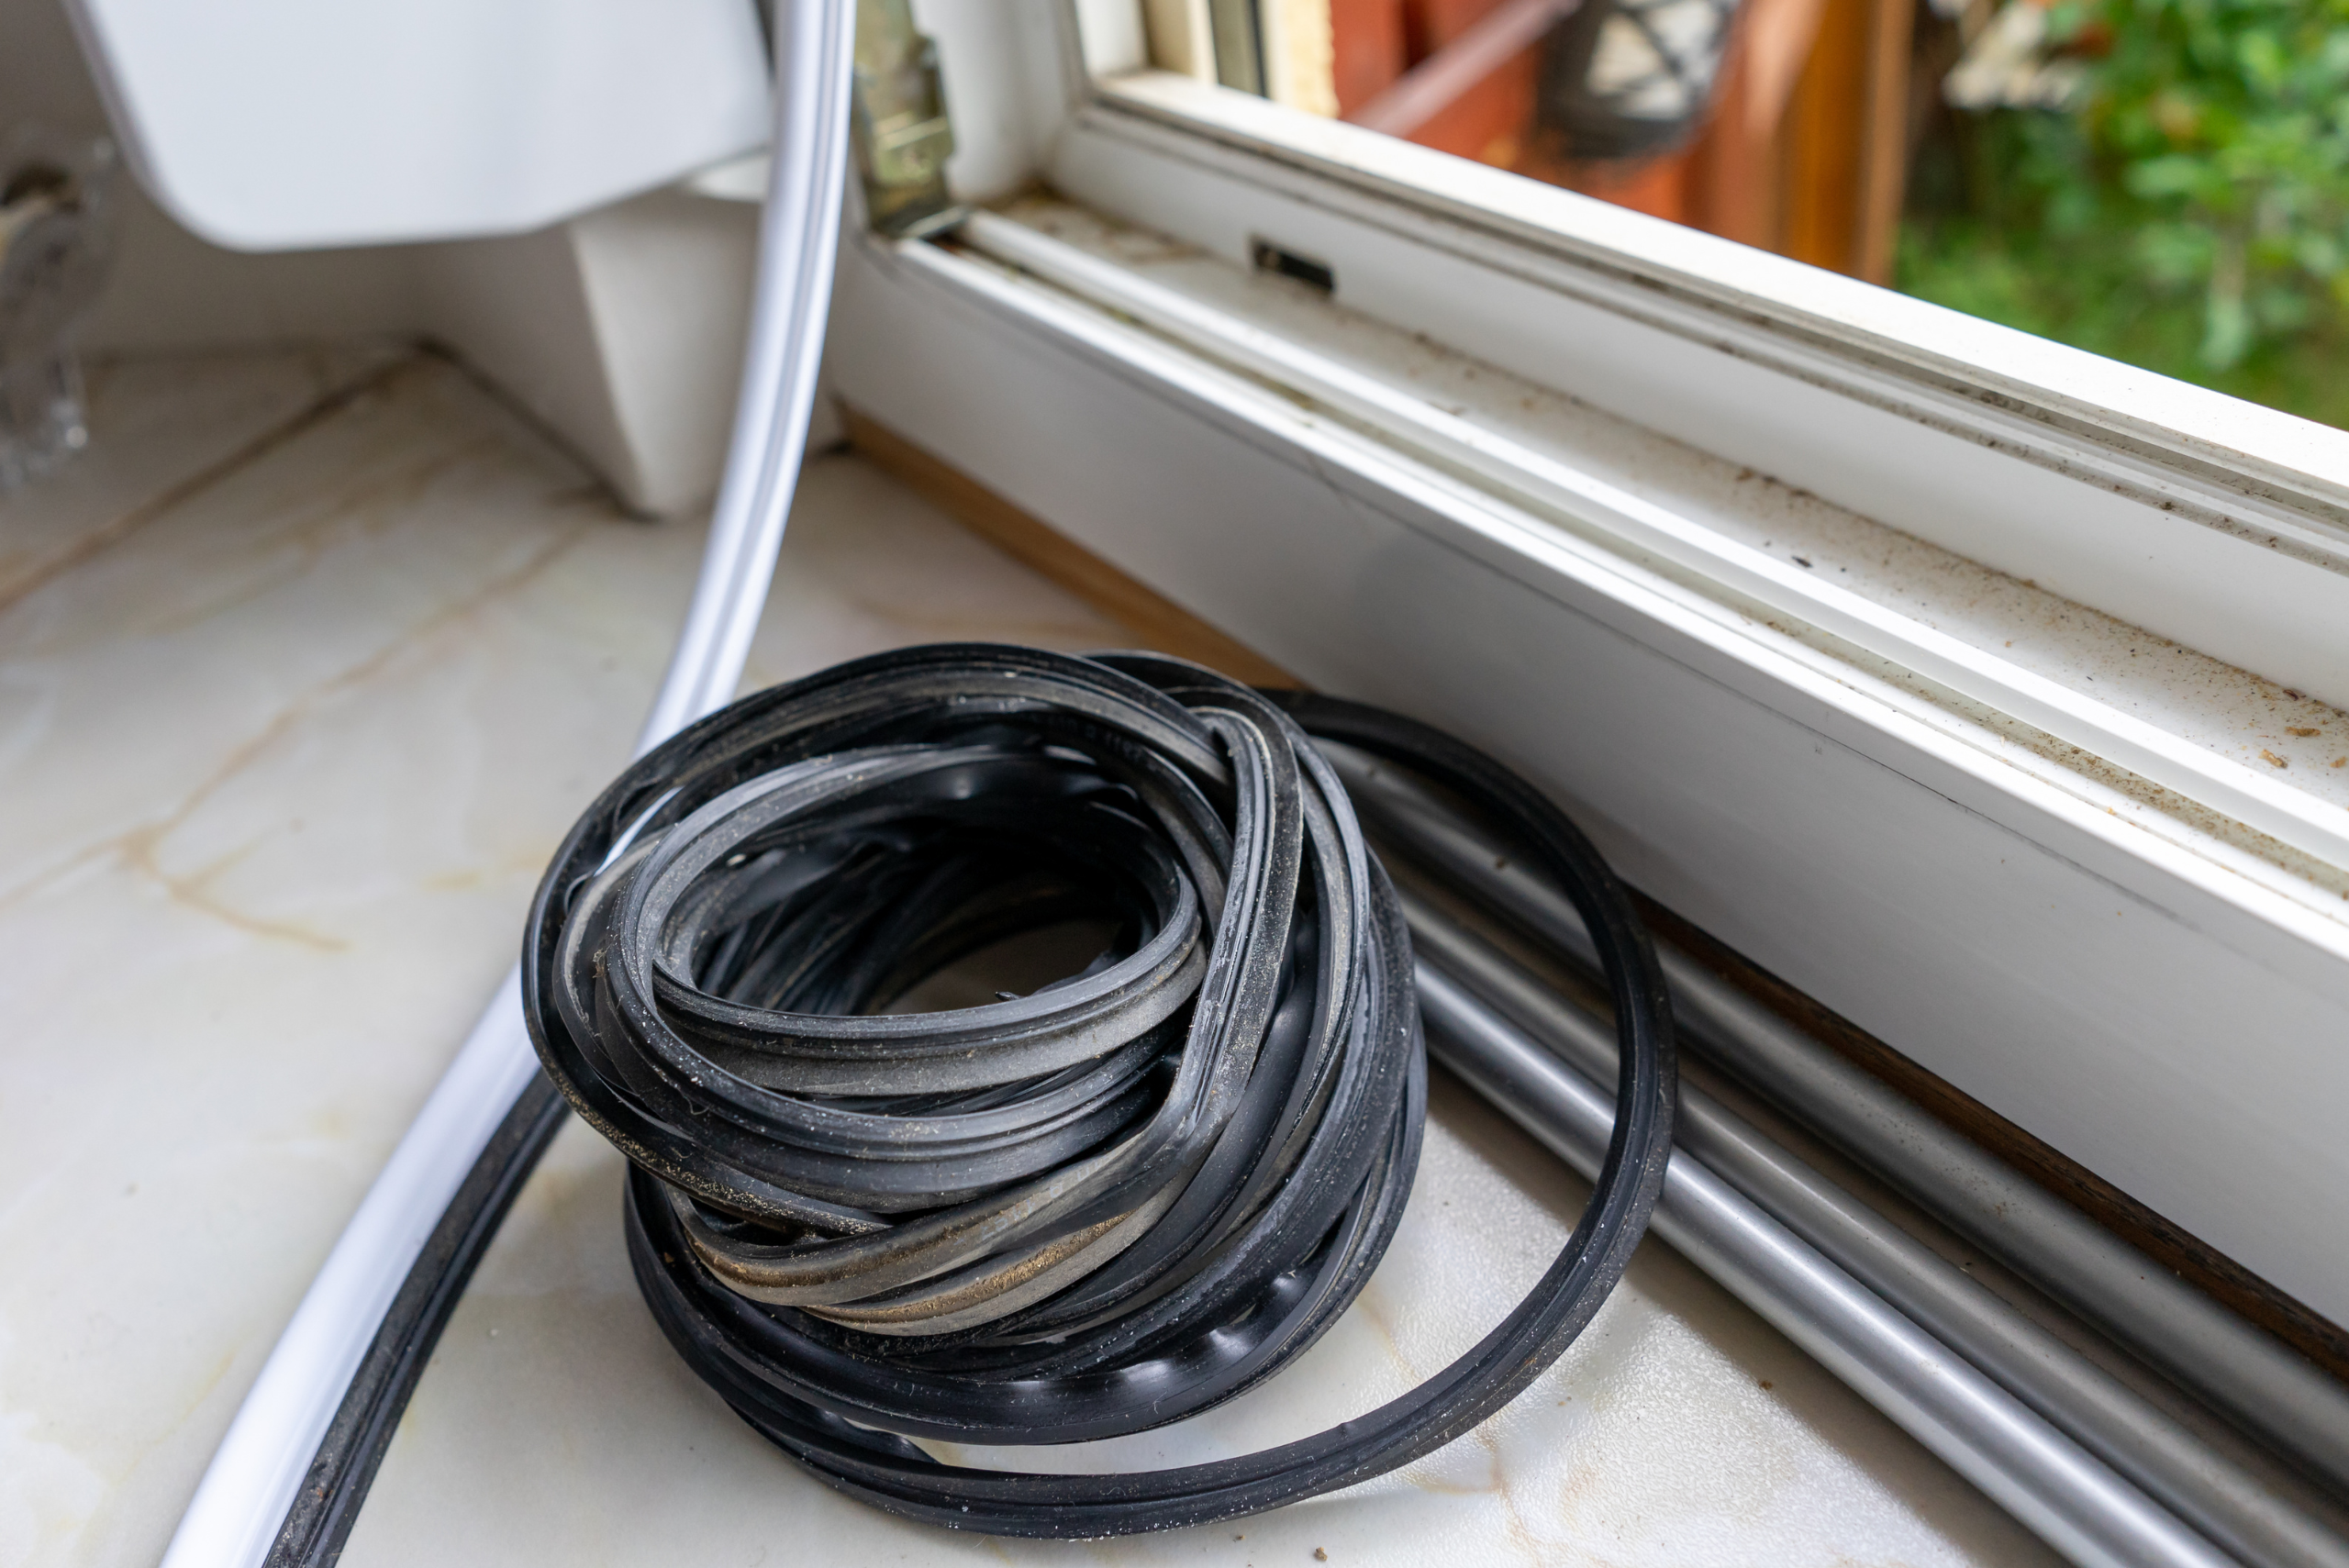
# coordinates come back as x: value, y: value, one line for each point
x: 902, y: 134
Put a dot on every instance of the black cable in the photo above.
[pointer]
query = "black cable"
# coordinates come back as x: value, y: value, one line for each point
x: 344, y: 1470
x: 1093, y: 1210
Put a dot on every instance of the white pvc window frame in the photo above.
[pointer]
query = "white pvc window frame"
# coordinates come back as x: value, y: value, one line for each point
x: 2146, y: 1006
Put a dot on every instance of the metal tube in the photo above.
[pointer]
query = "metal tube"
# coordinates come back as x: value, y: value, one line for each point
x: 2230, y: 1504
x: 2263, y: 1387
x: 2063, y: 1494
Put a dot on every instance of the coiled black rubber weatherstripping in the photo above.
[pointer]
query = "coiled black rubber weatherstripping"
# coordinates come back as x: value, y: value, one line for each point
x: 1093, y: 1210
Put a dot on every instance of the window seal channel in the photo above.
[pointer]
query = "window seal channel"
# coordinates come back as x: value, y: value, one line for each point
x: 1756, y: 584
x: 2214, y: 523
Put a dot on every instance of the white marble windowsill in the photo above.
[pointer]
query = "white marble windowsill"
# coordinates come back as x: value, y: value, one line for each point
x: 303, y: 671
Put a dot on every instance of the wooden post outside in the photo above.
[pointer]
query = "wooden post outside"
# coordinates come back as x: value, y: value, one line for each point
x: 1824, y: 130
x: 1885, y: 152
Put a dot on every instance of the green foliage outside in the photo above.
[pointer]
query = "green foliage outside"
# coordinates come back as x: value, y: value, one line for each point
x: 2189, y: 211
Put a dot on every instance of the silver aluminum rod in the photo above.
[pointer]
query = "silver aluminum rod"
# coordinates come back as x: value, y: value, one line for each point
x: 2263, y: 1387
x: 2231, y: 1505
x: 245, y: 1491
x: 2056, y: 1489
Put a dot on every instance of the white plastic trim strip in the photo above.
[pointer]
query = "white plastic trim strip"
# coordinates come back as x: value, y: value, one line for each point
x: 245, y: 1493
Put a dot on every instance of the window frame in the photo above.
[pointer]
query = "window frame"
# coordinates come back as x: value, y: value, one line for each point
x: 2152, y: 1014
x: 1986, y: 411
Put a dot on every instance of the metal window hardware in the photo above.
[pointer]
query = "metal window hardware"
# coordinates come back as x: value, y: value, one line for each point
x: 902, y: 134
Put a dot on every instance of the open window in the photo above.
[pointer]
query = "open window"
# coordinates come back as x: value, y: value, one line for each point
x: 2159, y: 183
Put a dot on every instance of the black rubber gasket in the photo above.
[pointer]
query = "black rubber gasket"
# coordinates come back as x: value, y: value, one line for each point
x: 845, y: 1403
x: 1184, y: 767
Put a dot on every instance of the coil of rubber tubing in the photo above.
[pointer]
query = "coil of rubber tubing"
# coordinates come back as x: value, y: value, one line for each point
x: 1096, y: 1209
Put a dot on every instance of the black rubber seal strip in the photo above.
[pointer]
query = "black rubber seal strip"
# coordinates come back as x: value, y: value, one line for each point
x: 344, y: 1470
x: 886, y: 1470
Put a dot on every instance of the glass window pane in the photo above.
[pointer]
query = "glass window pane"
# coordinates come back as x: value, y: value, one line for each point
x: 2160, y: 182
